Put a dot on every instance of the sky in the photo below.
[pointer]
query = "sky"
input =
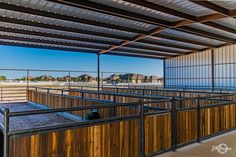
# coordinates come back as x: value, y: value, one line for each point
x: 12, y: 57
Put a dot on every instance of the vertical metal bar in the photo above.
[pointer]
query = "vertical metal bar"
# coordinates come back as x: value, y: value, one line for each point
x: 164, y: 73
x: 6, y: 130
x: 82, y: 99
x: 36, y: 94
x: 48, y: 90
x: 174, y: 124
x: 27, y: 86
x: 141, y: 131
x: 98, y: 71
x: 113, y: 109
x: 102, y: 78
x: 27, y: 79
x: 198, y: 120
x: 212, y: 69
x: 69, y: 85
x: 98, y: 74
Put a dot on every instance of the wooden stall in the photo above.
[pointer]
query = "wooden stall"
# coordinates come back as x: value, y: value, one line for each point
x: 209, y: 120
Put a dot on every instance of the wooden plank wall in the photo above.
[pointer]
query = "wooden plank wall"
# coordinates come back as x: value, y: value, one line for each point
x: 218, y: 119
x: 122, y: 99
x: 108, y: 140
x: 58, y: 101
x: 160, y: 92
x: 186, y: 126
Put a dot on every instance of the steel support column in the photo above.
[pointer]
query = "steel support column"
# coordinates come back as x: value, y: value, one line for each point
x: 164, y: 73
x: 212, y: 70
x: 6, y: 131
x: 98, y: 72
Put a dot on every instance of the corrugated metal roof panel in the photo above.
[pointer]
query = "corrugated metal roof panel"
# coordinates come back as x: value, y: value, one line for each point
x: 158, y: 46
x: 212, y: 30
x: 46, y: 31
x: 51, y: 45
x: 103, y: 46
x: 121, y: 4
x: 184, y: 6
x: 183, y: 35
x: 137, y: 54
x: 227, y: 22
x: 64, y: 23
x: 82, y: 13
x: 227, y: 4
x: 127, y: 49
x: 161, y: 40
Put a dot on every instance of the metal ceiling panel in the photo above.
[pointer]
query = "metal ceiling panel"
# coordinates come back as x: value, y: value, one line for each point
x: 121, y: 4
x: 81, y: 13
x: 50, y: 45
x: 213, y: 30
x: 174, y: 42
x: 51, y: 21
x: 127, y: 49
x: 184, y: 6
x: 134, y: 54
x: 50, y: 31
x: 158, y: 46
x: 51, y: 24
x: 183, y: 35
x: 227, y: 4
x: 227, y: 22
x: 101, y: 46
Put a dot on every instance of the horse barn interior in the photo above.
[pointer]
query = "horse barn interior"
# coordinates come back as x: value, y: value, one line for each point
x: 196, y: 41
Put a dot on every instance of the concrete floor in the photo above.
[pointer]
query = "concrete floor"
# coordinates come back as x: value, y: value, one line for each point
x: 204, y: 149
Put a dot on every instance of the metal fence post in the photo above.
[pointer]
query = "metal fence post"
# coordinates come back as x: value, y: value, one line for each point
x: 102, y: 78
x: 48, y: 96
x: 27, y: 79
x: 6, y: 131
x: 113, y: 109
x: 82, y: 99
x: 141, y: 131
x: 198, y: 120
x: 69, y: 84
x: 174, y: 125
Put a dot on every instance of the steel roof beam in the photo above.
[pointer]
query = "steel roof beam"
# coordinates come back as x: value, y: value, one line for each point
x: 48, y: 26
x: 51, y: 35
x: 33, y: 45
x: 189, y: 19
x: 151, y: 6
x: 66, y: 18
x: 88, y: 5
x: 24, y: 39
x: 57, y: 36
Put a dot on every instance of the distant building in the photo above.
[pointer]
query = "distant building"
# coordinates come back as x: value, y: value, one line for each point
x: 114, y: 78
x: 133, y: 78
x: 87, y: 78
x: 43, y: 78
x: 153, y: 79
